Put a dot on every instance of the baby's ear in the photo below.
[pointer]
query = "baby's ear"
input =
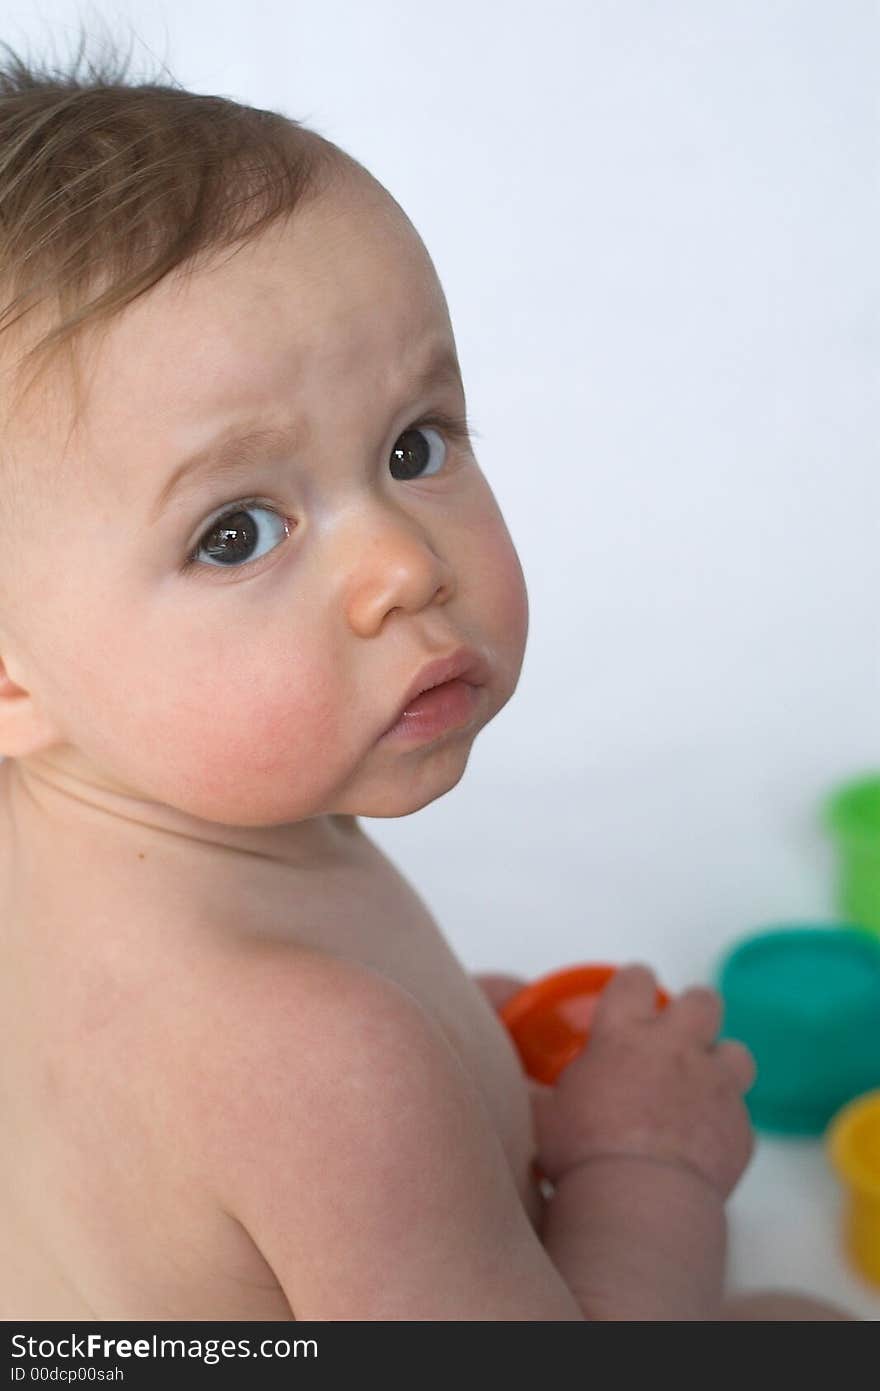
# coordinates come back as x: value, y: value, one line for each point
x: 24, y: 729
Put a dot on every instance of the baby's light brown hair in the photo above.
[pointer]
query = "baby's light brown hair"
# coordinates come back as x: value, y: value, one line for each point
x: 107, y: 186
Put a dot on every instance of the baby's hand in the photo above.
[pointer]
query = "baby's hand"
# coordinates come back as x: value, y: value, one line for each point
x: 651, y: 1085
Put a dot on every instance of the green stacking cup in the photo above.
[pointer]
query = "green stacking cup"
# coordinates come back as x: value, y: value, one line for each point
x: 852, y: 815
x: 806, y: 1000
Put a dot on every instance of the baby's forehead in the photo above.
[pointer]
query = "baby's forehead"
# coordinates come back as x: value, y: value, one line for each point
x: 339, y: 299
x: 326, y: 296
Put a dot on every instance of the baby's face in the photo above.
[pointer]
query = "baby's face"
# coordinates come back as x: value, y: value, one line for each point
x: 247, y: 676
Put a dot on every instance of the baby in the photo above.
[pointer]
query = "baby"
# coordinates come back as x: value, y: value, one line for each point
x: 253, y: 586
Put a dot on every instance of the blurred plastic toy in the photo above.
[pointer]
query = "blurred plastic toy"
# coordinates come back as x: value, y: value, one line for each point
x: 549, y: 1020
x: 806, y: 1000
x: 852, y: 815
x: 803, y: 997
x: 854, y: 1149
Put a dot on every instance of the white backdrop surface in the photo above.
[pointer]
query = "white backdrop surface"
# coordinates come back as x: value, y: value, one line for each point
x: 657, y: 228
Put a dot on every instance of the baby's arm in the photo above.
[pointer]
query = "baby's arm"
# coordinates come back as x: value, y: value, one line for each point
x: 638, y: 1240
x: 342, y: 1132
x: 644, y: 1136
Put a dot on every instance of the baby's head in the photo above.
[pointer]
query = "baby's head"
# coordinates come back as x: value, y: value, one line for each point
x: 222, y: 624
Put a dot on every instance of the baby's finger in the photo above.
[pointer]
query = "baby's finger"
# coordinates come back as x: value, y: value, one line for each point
x: 498, y: 989
x: 630, y: 995
x: 738, y: 1061
x: 696, y: 1013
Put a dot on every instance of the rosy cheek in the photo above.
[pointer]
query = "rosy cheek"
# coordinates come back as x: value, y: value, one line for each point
x: 505, y: 582
x: 283, y: 722
x: 264, y: 754
x: 250, y: 715
x: 296, y: 728
x: 517, y: 598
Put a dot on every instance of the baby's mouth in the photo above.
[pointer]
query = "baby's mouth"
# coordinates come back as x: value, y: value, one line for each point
x: 442, y: 695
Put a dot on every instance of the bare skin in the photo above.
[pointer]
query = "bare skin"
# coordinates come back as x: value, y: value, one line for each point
x: 632, y: 1003
x: 98, y: 1215
x: 96, y: 1209
x: 186, y: 896
x: 242, y: 708
x: 81, y: 1243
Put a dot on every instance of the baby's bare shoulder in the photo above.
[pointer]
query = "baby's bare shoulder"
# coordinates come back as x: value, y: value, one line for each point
x: 343, y: 1133
x: 288, y: 1027
x: 300, y: 1004
x: 316, y: 1033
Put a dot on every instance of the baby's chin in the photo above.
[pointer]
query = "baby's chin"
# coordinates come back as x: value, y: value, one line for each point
x: 412, y: 780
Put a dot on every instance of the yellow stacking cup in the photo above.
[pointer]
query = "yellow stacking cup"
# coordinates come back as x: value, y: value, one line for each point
x: 854, y: 1148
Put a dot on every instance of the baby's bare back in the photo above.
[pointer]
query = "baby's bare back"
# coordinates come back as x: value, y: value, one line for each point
x: 109, y: 988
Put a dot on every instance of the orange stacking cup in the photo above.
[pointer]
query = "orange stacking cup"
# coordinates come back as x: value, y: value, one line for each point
x: 549, y: 1020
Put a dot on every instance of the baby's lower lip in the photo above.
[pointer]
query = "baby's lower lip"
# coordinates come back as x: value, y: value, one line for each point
x: 435, y: 712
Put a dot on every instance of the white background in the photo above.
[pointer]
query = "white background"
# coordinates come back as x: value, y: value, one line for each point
x: 657, y: 227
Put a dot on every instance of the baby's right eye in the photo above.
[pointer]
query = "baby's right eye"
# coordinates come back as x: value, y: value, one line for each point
x: 231, y: 540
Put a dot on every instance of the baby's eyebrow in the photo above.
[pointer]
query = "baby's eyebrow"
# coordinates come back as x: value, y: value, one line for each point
x: 230, y: 452
x: 235, y: 450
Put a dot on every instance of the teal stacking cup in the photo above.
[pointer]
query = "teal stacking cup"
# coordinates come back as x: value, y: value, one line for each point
x: 852, y: 815
x: 806, y: 1001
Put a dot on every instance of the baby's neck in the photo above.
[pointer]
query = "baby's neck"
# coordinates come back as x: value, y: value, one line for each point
x: 93, y: 875
x: 40, y: 793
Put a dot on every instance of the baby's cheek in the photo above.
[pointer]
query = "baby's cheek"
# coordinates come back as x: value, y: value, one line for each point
x: 502, y: 583
x: 257, y: 748
x: 281, y: 739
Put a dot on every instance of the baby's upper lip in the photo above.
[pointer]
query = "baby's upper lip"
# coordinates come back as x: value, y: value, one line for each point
x: 464, y: 663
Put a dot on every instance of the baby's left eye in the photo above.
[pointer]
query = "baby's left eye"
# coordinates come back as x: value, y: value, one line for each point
x: 411, y: 456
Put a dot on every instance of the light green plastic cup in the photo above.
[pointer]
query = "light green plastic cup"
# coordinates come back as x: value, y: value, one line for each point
x: 852, y: 815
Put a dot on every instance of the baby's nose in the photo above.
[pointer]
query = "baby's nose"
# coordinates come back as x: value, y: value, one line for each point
x: 392, y: 564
